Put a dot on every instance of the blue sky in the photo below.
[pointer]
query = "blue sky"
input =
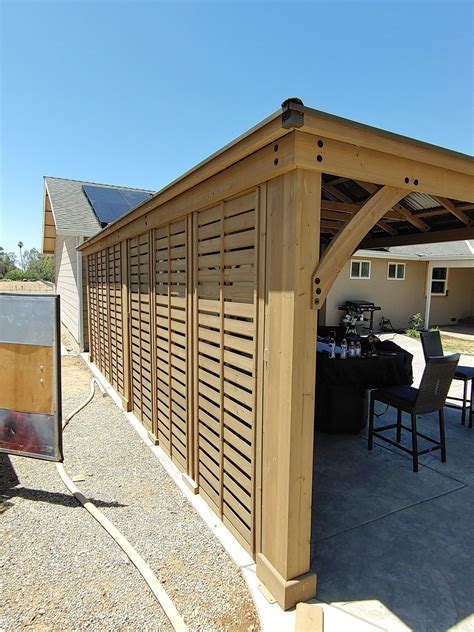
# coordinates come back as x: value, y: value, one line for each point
x: 136, y: 93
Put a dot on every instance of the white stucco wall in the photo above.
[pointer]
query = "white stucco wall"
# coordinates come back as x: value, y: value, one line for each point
x: 398, y: 299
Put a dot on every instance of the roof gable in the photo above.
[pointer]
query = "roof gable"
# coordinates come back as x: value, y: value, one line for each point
x: 67, y: 207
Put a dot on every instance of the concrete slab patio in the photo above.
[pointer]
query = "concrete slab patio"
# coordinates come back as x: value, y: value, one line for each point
x: 389, y: 546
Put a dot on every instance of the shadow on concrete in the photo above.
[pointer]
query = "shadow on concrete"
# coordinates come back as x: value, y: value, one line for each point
x: 390, y: 546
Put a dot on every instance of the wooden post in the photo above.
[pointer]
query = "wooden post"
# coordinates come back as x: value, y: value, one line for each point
x: 293, y: 220
x: 126, y: 399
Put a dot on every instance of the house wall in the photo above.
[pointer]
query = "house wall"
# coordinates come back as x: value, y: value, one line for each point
x: 459, y: 303
x: 66, y: 283
x: 399, y: 299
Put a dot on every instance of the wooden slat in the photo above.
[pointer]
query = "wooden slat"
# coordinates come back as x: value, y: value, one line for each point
x: 225, y: 308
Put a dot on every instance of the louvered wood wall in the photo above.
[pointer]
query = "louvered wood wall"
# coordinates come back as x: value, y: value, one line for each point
x: 225, y: 319
x: 104, y: 281
x: 140, y: 329
x: 171, y: 244
x: 192, y: 298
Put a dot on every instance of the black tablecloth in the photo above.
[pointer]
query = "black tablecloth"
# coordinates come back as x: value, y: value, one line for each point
x: 341, y: 386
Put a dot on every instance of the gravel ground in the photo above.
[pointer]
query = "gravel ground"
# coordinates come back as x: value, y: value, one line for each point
x: 59, y: 568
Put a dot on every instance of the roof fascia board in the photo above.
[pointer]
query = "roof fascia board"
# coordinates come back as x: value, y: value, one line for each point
x: 459, y: 261
x: 43, y: 237
x: 450, y: 259
x: 270, y: 129
x: 254, y: 139
x: 50, y: 203
x: 337, y: 128
x: 384, y: 255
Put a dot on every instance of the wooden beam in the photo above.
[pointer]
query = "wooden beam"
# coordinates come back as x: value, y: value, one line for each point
x: 350, y: 208
x: 324, y: 125
x: 343, y: 207
x: 347, y: 240
x: 405, y: 213
x: 415, y: 221
x: 461, y: 215
x: 361, y: 163
x: 432, y: 237
x: 283, y: 564
x: 263, y: 135
x: 261, y: 166
x: 370, y: 189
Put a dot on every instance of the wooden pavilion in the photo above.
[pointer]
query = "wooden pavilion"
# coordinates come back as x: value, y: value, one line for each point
x: 203, y: 306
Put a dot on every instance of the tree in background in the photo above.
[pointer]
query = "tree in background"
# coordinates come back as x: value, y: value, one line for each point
x: 8, y: 261
x: 35, y: 266
x: 20, y: 246
x: 40, y: 265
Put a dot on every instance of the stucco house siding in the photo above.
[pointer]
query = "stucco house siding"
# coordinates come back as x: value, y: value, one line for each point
x: 459, y: 303
x: 398, y: 299
x: 66, y: 283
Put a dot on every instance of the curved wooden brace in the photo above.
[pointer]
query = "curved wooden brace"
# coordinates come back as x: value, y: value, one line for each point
x: 349, y: 237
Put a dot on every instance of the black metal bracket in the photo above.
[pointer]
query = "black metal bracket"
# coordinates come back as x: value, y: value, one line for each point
x: 293, y: 113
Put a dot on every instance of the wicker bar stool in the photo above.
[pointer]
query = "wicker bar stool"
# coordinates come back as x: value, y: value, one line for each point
x: 432, y: 346
x: 428, y: 398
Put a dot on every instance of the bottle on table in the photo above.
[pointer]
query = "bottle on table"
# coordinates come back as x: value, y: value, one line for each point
x: 352, y: 350
x: 332, y: 347
x: 358, y: 350
x: 344, y: 349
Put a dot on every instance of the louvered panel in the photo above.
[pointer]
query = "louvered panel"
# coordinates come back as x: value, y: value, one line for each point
x: 93, y: 307
x: 115, y: 317
x: 140, y: 339
x: 103, y: 312
x: 225, y: 281
x: 171, y: 321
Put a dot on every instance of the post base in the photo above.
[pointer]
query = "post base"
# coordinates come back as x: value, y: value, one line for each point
x: 193, y: 486
x: 126, y: 405
x: 286, y: 592
x: 153, y: 438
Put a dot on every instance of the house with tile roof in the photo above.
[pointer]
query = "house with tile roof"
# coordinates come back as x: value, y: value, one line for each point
x: 73, y: 211
x: 435, y: 280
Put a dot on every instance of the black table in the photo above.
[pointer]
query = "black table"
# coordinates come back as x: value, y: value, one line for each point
x: 341, y: 386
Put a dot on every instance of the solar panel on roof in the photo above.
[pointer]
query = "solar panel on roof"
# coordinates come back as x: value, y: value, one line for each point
x: 109, y: 204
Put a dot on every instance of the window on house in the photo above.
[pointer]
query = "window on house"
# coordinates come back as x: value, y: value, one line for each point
x: 396, y: 271
x: 439, y: 281
x: 360, y: 269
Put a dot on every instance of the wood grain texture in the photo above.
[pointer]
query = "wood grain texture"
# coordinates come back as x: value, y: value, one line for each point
x: 225, y: 291
x: 20, y: 378
x: 293, y: 215
x: 349, y: 237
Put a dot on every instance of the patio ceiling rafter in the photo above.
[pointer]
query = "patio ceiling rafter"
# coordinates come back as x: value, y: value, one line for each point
x: 398, y: 208
x: 349, y: 237
x: 461, y: 215
x: 333, y: 190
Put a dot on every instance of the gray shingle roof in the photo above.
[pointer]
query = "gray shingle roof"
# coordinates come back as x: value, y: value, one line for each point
x: 431, y: 251
x: 71, y: 208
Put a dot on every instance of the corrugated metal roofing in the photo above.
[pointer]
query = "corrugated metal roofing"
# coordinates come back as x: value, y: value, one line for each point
x: 420, y: 202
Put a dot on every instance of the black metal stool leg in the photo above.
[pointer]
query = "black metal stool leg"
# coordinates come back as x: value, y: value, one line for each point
x: 371, y: 423
x: 399, y: 425
x: 464, y: 403
x: 414, y: 442
x: 442, y: 435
